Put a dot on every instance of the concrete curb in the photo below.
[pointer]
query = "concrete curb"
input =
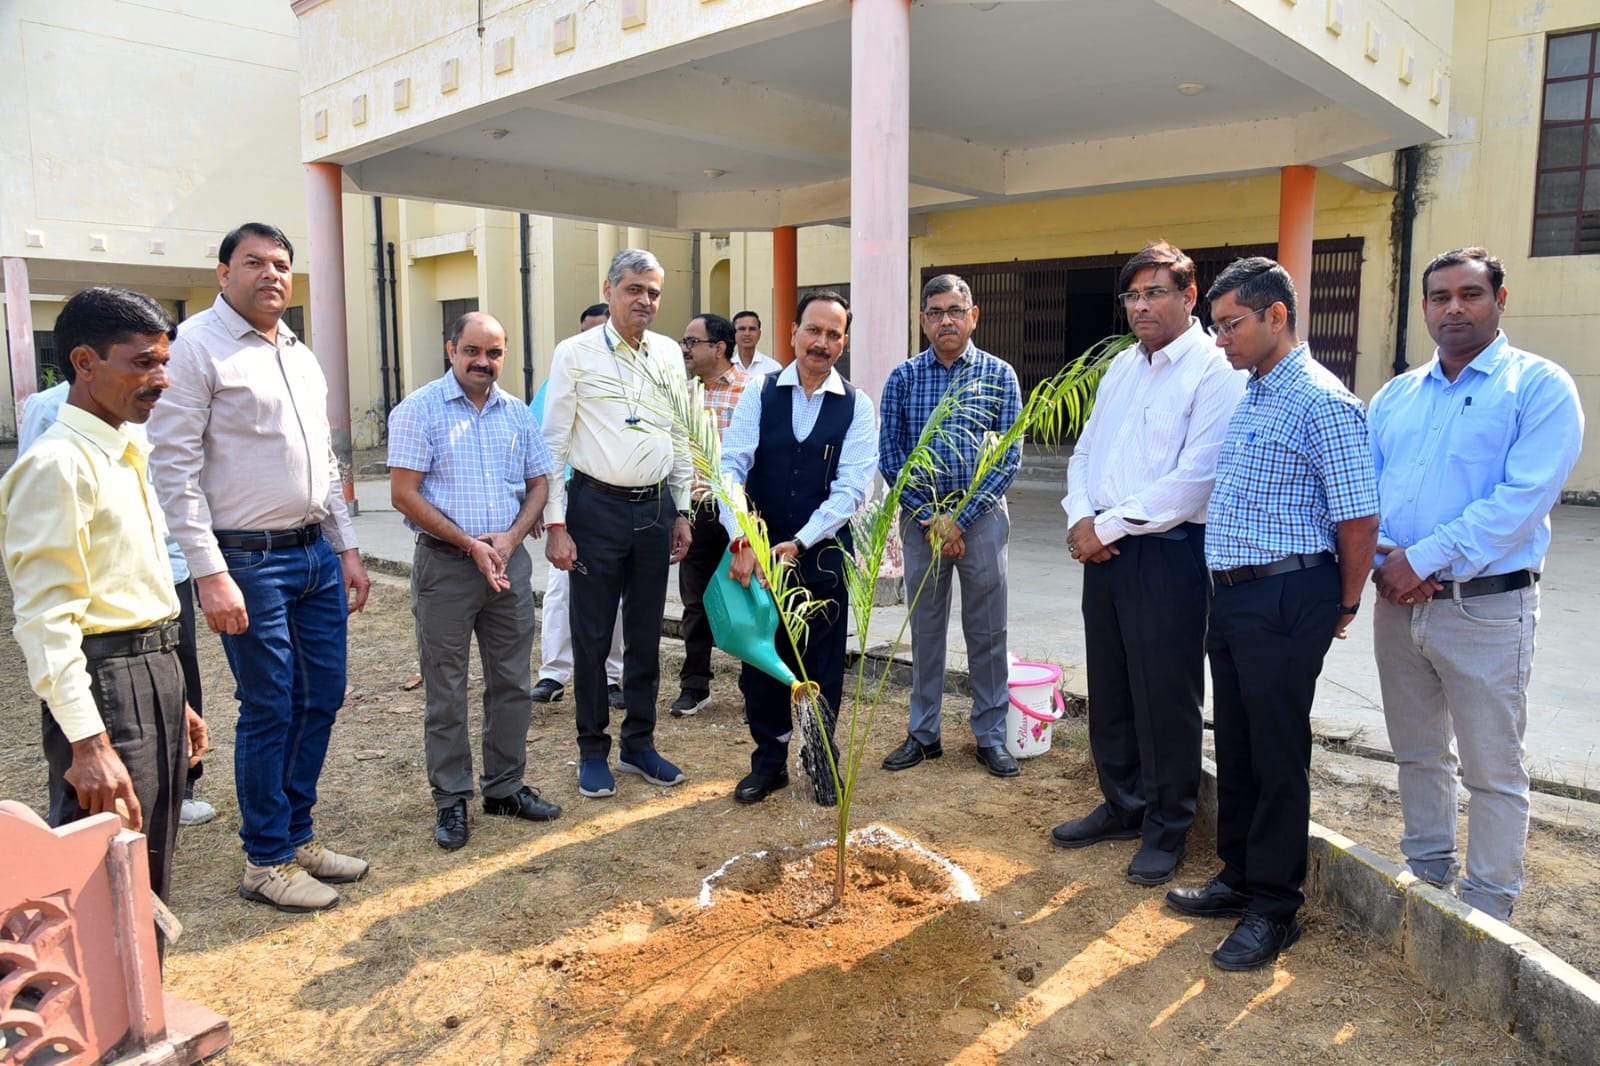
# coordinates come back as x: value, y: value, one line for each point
x: 1459, y: 953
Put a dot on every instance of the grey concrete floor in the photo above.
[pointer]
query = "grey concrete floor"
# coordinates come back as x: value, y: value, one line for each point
x: 1563, y: 736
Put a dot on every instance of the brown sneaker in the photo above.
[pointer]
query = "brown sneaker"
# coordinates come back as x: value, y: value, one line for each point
x: 286, y: 887
x: 329, y: 867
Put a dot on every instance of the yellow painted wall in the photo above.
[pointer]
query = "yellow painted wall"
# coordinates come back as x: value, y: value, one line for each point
x: 1479, y: 189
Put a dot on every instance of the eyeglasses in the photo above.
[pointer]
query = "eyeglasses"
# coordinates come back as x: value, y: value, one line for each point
x: 689, y: 342
x: 1220, y: 330
x: 1150, y: 295
x: 943, y: 314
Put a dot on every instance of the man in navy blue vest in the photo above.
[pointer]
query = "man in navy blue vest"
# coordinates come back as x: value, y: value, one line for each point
x: 804, y: 445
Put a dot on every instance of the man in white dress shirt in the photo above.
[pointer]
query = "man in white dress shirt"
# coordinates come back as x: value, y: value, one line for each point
x: 746, y: 356
x: 1137, y: 487
x: 623, y: 518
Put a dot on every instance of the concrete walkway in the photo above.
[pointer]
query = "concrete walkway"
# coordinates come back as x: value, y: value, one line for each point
x: 1563, y: 737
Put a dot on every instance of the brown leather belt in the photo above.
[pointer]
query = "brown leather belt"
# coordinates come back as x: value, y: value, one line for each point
x: 443, y: 547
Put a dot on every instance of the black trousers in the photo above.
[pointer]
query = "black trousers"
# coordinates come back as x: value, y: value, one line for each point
x: 1144, y: 621
x: 1266, y: 642
x: 767, y: 701
x: 626, y: 547
x: 189, y: 657
x: 140, y: 698
x: 694, y: 574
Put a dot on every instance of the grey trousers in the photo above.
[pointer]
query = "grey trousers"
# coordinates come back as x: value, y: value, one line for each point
x: 1459, y: 669
x: 453, y: 603
x: 983, y: 623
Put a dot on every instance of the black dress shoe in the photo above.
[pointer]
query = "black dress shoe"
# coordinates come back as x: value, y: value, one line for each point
x: 1254, y: 942
x: 451, y: 831
x: 1211, y: 900
x: 615, y: 699
x: 912, y: 752
x: 998, y: 761
x: 523, y: 803
x: 757, y: 787
x: 547, y: 690
x: 1155, y: 866
x: 1098, y: 825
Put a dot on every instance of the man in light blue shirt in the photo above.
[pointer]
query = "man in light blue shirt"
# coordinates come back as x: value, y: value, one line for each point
x: 468, y: 469
x: 1471, y: 452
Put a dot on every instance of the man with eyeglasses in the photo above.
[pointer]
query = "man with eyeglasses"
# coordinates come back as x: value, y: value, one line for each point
x: 622, y: 519
x: 707, y: 348
x: 942, y: 541
x: 1472, y: 449
x: 1292, y: 527
x: 1137, y: 486
x: 803, y: 443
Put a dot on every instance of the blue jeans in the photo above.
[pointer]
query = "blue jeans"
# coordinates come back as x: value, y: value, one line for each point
x: 290, y: 669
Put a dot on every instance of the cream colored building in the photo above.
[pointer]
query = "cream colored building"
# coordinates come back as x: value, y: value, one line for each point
x: 510, y: 147
x: 132, y: 137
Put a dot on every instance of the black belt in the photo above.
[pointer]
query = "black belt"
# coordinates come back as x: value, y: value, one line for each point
x: 443, y: 547
x: 267, y: 540
x: 160, y: 637
x: 1488, y: 586
x: 635, y: 493
x: 1287, y: 565
x: 1177, y: 532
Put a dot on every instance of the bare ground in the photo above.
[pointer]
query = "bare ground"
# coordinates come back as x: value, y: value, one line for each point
x: 583, y: 941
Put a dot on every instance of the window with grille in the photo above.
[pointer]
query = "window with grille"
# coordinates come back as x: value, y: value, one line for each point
x: 1566, y: 204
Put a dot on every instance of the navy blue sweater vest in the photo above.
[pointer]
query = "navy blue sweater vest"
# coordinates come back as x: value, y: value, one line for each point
x: 789, y: 479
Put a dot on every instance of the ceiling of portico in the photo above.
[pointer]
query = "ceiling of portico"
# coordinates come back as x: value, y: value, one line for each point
x: 1008, y: 100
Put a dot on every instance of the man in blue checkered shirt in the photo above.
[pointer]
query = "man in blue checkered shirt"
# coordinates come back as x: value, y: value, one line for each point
x: 972, y: 542
x: 467, y: 469
x: 1293, y: 525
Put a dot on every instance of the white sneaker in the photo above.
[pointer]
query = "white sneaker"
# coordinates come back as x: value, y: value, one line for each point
x: 196, y: 812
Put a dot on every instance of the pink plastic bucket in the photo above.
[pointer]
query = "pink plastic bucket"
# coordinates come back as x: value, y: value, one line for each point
x: 1030, y: 714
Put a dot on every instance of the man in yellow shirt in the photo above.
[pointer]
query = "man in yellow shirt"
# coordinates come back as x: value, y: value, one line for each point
x: 96, y: 616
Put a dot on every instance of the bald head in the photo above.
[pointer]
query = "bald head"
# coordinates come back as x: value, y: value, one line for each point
x: 477, y: 351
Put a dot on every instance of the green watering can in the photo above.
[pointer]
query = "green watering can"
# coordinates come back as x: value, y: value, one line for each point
x: 744, y: 622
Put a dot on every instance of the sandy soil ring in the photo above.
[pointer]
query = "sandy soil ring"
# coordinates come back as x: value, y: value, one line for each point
x: 878, y: 853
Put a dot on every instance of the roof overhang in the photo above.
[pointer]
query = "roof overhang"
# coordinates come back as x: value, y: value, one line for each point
x: 711, y: 114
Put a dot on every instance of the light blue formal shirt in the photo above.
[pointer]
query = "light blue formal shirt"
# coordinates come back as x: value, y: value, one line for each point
x: 40, y: 413
x: 1469, y: 469
x: 858, y: 458
x: 475, y: 465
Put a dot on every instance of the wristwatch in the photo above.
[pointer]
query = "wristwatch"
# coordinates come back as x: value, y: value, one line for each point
x: 685, y: 514
x: 799, y: 544
x: 1349, y: 609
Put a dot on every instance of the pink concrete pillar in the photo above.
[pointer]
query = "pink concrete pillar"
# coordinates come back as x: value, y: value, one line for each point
x: 329, y: 334
x: 19, y: 327
x: 1297, y: 215
x: 880, y: 177
x: 785, y: 272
